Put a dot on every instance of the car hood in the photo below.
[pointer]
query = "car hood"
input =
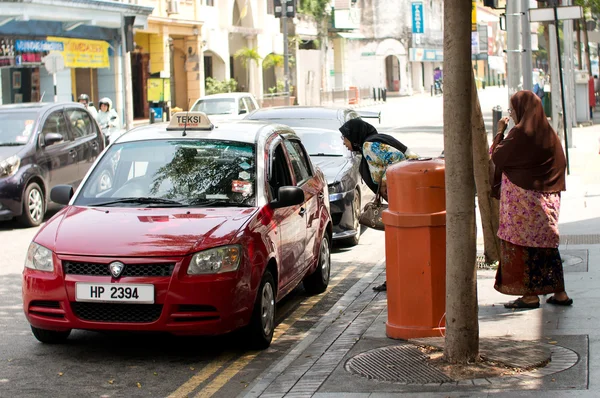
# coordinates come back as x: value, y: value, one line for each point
x: 141, y: 232
x: 8, y: 151
x: 332, y: 166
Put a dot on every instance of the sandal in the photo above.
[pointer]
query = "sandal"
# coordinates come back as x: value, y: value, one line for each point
x: 381, y: 288
x: 519, y: 303
x: 554, y: 301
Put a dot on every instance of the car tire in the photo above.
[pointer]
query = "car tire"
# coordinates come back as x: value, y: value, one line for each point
x: 50, y: 336
x: 34, y: 206
x: 318, y: 281
x: 356, y: 209
x: 262, y: 323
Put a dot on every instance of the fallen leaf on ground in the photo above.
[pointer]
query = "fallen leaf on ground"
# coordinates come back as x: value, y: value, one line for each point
x: 192, y: 368
x: 111, y: 381
x: 139, y: 385
x: 60, y: 373
x: 552, y: 342
x: 155, y: 374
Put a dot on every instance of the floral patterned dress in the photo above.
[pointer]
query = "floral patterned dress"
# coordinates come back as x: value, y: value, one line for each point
x: 379, y: 156
x: 530, y: 262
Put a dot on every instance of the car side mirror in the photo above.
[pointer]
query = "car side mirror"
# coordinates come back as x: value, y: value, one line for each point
x: 52, y: 138
x: 287, y: 197
x: 61, y: 194
x: 243, y: 111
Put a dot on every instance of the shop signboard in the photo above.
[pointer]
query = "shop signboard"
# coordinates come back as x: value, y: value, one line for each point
x: 82, y: 53
x: 426, y: 55
x: 38, y: 46
x: 417, y: 18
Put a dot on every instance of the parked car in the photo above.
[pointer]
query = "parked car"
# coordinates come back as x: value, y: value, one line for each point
x: 226, y: 106
x: 201, y: 232
x: 41, y: 146
x: 346, y: 188
x: 310, y: 116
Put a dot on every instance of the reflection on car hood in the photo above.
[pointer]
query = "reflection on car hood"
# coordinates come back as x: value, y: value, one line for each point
x: 141, y: 232
x: 8, y: 151
x: 331, y: 166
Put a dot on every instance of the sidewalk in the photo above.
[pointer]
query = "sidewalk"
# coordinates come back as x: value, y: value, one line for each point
x: 347, y: 354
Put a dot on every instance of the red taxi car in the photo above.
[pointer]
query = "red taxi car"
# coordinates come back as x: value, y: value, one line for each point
x: 201, y: 231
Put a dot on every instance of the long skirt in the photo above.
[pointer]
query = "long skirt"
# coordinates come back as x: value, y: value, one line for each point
x: 530, y: 262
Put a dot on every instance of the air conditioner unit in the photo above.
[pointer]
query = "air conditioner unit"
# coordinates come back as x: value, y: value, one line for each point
x: 172, y: 7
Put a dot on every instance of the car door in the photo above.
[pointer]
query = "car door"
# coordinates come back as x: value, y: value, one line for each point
x: 58, y: 158
x: 290, y: 220
x: 85, y: 139
x: 242, y: 108
x: 305, y: 179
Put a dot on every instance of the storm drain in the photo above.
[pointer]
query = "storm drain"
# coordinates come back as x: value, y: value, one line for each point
x: 403, y: 364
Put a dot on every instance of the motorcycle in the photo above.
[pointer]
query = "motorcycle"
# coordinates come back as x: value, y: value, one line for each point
x: 437, y: 86
x: 110, y: 132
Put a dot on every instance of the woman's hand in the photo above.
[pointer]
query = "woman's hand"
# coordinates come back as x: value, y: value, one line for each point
x: 502, y: 124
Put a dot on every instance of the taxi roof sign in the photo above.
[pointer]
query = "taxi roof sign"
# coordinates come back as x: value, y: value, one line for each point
x: 189, y: 121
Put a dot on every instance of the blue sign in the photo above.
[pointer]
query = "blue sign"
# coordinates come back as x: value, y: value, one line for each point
x: 417, y: 18
x: 38, y: 46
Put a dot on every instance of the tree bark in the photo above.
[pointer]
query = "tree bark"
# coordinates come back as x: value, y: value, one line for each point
x: 488, y: 206
x: 462, y: 327
x: 587, y: 48
x: 579, y: 57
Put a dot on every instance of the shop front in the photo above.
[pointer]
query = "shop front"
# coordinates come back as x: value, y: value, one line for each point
x: 425, y: 63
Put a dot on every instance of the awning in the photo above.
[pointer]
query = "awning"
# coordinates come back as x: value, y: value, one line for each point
x: 351, y: 35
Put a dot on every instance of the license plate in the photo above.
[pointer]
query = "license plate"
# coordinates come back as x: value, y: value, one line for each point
x: 114, y: 293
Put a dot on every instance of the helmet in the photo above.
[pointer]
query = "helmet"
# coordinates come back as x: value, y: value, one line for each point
x: 84, y: 97
x: 106, y: 101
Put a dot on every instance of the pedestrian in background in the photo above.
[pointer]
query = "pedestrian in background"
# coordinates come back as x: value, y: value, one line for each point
x: 592, y: 95
x: 532, y: 165
x: 378, y: 152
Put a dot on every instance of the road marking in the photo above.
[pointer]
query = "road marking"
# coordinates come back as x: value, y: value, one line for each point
x: 230, y: 371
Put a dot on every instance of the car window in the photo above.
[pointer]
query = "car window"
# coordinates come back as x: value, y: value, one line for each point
x: 280, y: 172
x: 190, y: 172
x: 250, y: 104
x: 55, y: 123
x: 242, y: 105
x: 81, y: 124
x: 299, y: 162
x: 16, y: 128
x: 215, y: 106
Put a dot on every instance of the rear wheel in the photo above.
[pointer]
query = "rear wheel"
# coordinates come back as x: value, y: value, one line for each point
x: 34, y: 206
x: 317, y: 282
x: 50, y: 336
x: 262, y: 323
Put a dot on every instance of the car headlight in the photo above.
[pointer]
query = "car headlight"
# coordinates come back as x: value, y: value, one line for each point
x: 216, y: 261
x: 9, y: 166
x: 39, y: 258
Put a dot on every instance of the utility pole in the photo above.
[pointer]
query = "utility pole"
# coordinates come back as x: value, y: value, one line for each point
x: 286, y: 50
x: 462, y: 327
x: 127, y: 88
x: 526, y: 62
x: 513, y: 51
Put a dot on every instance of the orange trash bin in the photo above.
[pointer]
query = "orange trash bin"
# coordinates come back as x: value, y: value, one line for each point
x: 415, y: 249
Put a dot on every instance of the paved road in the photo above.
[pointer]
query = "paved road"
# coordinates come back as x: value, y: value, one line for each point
x: 110, y: 365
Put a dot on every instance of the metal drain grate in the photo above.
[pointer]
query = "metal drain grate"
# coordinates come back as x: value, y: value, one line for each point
x: 592, y: 239
x: 403, y: 364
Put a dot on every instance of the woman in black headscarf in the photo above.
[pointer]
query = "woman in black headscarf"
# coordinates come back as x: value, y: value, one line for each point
x: 378, y: 152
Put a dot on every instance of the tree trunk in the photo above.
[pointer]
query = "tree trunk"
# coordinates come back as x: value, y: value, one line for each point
x: 462, y: 328
x: 587, y: 48
x: 579, y: 57
x: 488, y: 206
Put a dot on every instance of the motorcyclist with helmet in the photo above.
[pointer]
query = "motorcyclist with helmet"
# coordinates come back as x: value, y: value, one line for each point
x: 85, y: 100
x: 107, y: 118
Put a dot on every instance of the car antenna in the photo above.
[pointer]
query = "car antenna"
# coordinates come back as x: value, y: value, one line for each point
x: 186, y: 119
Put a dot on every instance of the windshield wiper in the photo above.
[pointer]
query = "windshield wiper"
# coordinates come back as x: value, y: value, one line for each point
x: 217, y: 203
x: 141, y: 200
x: 326, y: 154
x: 11, y: 144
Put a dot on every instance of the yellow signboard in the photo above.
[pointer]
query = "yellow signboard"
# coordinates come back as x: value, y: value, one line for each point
x: 159, y: 90
x: 81, y: 53
x: 474, y: 16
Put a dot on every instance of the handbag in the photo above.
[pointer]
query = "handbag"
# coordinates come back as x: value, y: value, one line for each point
x: 372, y: 213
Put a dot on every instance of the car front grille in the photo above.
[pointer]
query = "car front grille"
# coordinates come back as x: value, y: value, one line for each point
x: 108, y: 312
x: 94, y: 269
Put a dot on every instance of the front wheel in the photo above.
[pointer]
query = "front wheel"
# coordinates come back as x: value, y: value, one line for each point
x: 356, y: 203
x: 262, y: 323
x: 50, y: 336
x: 34, y: 206
x: 318, y: 281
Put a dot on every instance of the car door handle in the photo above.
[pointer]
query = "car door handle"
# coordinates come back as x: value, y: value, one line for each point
x: 302, y: 211
x: 73, y: 153
x: 95, y: 145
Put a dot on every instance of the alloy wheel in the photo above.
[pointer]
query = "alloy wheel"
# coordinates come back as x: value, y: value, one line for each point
x: 325, y: 259
x: 35, y: 205
x: 267, y: 308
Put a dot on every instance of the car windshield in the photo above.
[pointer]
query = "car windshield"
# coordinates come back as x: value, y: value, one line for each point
x: 215, y: 106
x: 323, y: 143
x: 168, y: 173
x: 16, y: 128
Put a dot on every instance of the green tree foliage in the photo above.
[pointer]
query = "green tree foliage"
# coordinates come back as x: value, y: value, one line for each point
x: 317, y: 8
x: 214, y: 86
